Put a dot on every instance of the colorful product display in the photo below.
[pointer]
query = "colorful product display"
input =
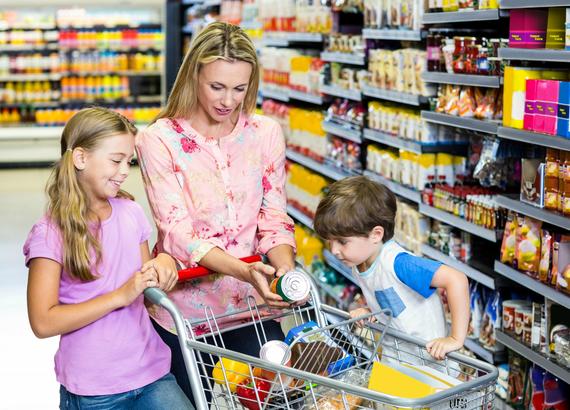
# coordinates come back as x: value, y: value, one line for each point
x: 396, y: 14
x: 470, y: 102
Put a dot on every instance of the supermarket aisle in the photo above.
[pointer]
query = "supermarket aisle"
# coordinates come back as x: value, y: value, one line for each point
x: 26, y: 363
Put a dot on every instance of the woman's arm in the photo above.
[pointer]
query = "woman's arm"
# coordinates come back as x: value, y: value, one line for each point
x: 282, y: 257
x: 49, y: 318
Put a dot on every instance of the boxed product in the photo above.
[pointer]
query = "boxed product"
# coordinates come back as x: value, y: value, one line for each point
x: 563, y: 125
x: 532, y: 181
x: 555, y: 28
x: 530, y: 104
x: 568, y: 28
x: 527, y: 28
x: 546, y: 106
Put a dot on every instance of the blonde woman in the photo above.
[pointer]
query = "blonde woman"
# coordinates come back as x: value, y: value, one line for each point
x: 89, y: 263
x: 215, y: 178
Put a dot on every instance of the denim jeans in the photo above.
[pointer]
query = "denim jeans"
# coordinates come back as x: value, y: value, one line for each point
x: 161, y: 394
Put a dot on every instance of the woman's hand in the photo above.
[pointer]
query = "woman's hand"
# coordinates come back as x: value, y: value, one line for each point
x: 165, y: 269
x: 136, y: 285
x: 258, y: 275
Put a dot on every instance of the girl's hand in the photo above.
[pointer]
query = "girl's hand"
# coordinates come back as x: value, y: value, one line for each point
x: 165, y: 269
x: 258, y: 275
x: 136, y: 285
x: 438, y: 348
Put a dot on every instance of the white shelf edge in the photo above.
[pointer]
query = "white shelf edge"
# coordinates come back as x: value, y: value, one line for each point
x: 398, y: 189
x: 529, y: 137
x: 340, y: 131
x: 462, y: 79
x: 458, y: 222
x: 486, y: 127
x: 300, y: 216
x: 532, y: 284
x: 461, y: 16
x: 392, y: 141
x: 395, y: 96
x: 335, y: 91
x: 346, y: 58
x: 315, y: 166
x: 535, y: 212
x: 389, y: 34
x: 469, y: 271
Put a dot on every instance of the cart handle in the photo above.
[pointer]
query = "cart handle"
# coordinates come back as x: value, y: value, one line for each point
x: 200, y: 271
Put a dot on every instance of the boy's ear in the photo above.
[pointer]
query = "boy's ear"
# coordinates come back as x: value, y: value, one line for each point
x: 377, y: 234
x: 79, y: 158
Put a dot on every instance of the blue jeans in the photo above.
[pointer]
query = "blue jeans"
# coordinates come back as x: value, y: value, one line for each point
x: 161, y: 394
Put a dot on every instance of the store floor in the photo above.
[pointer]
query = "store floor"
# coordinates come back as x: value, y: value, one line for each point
x: 26, y: 363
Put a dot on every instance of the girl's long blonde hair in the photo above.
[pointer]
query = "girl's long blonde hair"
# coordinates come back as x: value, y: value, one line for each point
x: 68, y: 205
x: 217, y: 41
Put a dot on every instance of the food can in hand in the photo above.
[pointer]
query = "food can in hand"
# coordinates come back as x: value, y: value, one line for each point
x: 294, y: 286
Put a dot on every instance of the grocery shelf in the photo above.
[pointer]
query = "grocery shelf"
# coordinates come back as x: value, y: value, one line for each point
x: 458, y: 222
x: 399, y: 189
x: 346, y: 58
x: 460, y: 122
x: 133, y: 49
x: 549, y: 141
x: 485, y: 354
x: 31, y: 132
x: 387, y: 34
x: 342, y: 131
x: 462, y: 79
x: 469, y: 271
x: 125, y: 73
x: 542, y: 54
x: 519, y: 4
x: 535, y: 357
x: 30, y: 77
x: 336, y: 91
x: 550, y: 217
x: 408, y: 145
x: 299, y: 216
x: 275, y: 93
x: 284, y: 38
x: 532, y: 284
x: 389, y: 95
x: 461, y: 16
x: 338, y: 266
x: 302, y: 96
x: 134, y: 99
x: 28, y: 47
x: 310, y: 163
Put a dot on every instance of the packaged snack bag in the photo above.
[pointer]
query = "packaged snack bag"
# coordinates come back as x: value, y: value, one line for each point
x: 509, y: 239
x: 527, y: 253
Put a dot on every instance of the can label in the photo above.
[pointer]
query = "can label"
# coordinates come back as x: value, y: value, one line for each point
x: 294, y: 286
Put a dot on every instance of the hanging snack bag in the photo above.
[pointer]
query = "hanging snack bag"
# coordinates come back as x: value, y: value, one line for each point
x: 527, y: 253
x: 509, y: 239
x: 545, y: 256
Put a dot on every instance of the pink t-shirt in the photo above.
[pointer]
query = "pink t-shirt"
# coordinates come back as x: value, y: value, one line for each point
x: 121, y: 351
x: 205, y: 193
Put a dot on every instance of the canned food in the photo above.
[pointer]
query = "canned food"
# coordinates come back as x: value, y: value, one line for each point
x: 294, y: 286
x: 275, y: 352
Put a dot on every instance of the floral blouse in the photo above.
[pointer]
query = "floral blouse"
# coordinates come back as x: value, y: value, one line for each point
x: 205, y: 193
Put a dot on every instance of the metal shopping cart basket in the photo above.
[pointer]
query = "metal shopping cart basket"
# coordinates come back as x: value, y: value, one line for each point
x: 330, y: 372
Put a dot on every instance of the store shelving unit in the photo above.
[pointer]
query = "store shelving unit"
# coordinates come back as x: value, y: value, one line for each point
x: 462, y: 79
x: 520, y: 4
x: 345, y: 132
x: 545, y: 55
x: 338, y: 266
x: 336, y: 91
x: 458, y: 222
x: 529, y: 137
x: 485, y: 354
x: 306, y: 97
x: 472, y: 273
x: 461, y: 16
x: 276, y: 93
x: 460, y: 122
x: 532, y: 284
x: 346, y: 58
x: 284, y: 38
x: 408, y: 145
x: 300, y: 216
x: 395, y: 96
x: 399, y: 189
x: 387, y: 34
x: 535, y: 357
x: 326, y: 170
x: 553, y: 218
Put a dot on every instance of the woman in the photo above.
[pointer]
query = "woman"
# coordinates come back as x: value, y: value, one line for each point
x: 215, y: 179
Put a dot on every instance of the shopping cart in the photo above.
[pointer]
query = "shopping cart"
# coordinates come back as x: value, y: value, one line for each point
x: 333, y: 375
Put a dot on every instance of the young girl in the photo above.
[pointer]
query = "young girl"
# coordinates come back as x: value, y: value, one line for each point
x: 89, y: 263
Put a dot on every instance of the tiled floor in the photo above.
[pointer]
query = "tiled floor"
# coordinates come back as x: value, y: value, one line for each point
x: 27, y: 378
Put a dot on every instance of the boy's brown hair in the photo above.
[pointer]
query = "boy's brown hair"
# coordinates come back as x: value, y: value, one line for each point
x: 353, y: 207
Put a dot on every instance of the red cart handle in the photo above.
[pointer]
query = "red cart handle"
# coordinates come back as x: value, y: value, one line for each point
x: 200, y: 271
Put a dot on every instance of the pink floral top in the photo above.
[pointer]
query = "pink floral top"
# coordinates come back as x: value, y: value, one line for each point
x: 204, y: 193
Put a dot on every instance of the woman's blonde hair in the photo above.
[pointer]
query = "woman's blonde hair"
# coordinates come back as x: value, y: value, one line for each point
x: 68, y: 205
x: 217, y: 41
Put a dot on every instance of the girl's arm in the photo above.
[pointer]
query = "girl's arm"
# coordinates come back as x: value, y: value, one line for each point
x: 49, y: 318
x: 457, y: 287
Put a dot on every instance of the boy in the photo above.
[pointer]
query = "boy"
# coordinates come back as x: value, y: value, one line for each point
x: 357, y: 217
